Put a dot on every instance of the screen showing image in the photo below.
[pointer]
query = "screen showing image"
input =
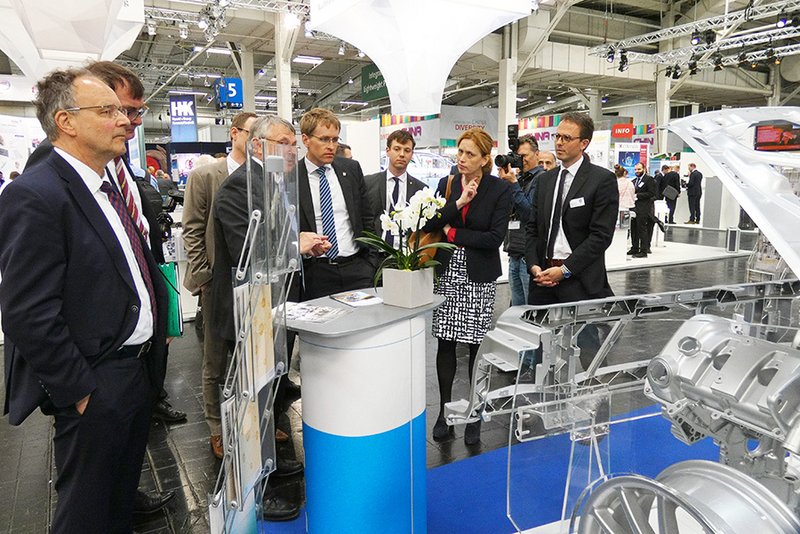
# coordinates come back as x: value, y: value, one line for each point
x: 182, y: 165
x: 778, y: 136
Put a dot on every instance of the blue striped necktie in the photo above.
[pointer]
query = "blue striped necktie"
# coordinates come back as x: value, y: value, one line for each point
x: 326, y: 207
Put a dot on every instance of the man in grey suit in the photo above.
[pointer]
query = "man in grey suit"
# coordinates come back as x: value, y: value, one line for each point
x: 394, y: 186
x: 198, y: 235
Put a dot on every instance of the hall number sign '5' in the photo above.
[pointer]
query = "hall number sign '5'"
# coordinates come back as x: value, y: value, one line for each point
x: 229, y: 93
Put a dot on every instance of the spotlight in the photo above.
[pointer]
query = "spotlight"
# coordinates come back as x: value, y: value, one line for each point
x: 777, y: 60
x: 692, y: 68
x: 676, y: 72
x: 341, y: 49
x: 696, y: 38
x: 668, y: 72
x: 350, y: 81
x: 742, y: 59
x: 611, y: 54
x: 361, y: 53
x: 783, y: 20
x: 623, y: 66
x: 717, y: 59
x: 709, y: 36
x: 550, y: 100
x: 770, y: 53
x: 151, y: 27
x: 183, y: 30
x: 604, y: 99
x: 202, y: 23
x: 623, y: 61
x: 754, y: 64
x: 309, y: 33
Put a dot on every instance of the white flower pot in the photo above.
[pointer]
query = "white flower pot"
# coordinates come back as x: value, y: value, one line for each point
x: 407, y: 289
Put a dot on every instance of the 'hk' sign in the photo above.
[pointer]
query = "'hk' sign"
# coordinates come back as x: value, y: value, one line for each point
x: 183, y: 118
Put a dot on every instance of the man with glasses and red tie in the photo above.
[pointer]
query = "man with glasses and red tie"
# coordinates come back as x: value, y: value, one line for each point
x: 573, y: 224
x: 83, y: 305
x: 333, y: 202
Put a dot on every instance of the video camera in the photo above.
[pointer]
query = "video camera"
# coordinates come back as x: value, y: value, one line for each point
x: 512, y: 159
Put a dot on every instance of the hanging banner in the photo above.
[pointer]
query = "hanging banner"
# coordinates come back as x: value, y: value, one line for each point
x: 455, y: 120
x: 183, y: 118
x: 373, y: 86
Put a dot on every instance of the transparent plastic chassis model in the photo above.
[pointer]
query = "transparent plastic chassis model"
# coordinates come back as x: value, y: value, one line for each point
x: 261, y: 283
x: 719, y: 362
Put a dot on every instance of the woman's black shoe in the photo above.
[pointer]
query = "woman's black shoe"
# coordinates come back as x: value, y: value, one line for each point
x: 440, y: 430
x: 472, y: 434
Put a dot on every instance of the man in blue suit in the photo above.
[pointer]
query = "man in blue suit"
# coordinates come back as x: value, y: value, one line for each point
x: 83, y: 306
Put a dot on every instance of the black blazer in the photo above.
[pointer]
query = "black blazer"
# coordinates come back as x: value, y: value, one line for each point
x: 694, y: 188
x: 376, y: 191
x: 67, y: 295
x: 588, y: 227
x: 484, y: 230
x: 354, y: 189
x: 646, y: 191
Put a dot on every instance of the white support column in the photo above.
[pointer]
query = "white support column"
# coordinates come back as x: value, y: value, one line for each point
x: 285, y: 38
x: 248, y: 82
x: 663, y: 87
x: 595, y: 106
x: 775, y: 82
x: 507, y: 87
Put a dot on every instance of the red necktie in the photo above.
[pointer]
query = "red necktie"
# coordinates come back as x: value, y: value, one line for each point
x: 133, y: 237
x: 130, y: 203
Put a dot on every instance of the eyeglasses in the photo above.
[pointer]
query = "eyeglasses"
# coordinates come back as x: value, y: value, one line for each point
x: 279, y: 142
x: 327, y: 140
x: 565, y: 138
x: 242, y: 129
x: 135, y: 113
x: 109, y: 110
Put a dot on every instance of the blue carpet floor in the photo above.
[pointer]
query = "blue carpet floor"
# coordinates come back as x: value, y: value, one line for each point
x: 469, y: 496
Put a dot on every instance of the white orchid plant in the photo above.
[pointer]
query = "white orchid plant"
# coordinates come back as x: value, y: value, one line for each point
x: 405, y: 223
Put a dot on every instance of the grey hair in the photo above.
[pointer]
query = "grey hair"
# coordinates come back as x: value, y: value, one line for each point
x: 263, y: 125
x: 56, y: 92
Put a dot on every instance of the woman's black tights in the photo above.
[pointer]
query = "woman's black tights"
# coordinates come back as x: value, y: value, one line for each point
x: 446, y: 368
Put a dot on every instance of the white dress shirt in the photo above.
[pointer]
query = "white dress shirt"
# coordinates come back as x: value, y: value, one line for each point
x: 232, y: 165
x: 344, y: 230
x: 144, y: 325
x: 561, y: 248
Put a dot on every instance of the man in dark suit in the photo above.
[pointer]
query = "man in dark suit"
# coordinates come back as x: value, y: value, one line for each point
x: 231, y: 218
x: 334, y: 203
x: 573, y: 223
x: 393, y: 186
x: 84, y: 306
x: 644, y: 208
x: 694, y: 190
x: 673, y: 179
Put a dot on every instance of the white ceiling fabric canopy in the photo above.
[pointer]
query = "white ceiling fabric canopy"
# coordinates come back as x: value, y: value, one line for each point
x: 42, y: 36
x: 414, y: 43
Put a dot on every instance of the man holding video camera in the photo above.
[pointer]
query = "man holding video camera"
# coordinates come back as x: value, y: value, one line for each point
x: 519, y: 168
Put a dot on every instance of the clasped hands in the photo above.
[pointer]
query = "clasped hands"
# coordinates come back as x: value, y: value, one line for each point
x: 548, y: 277
x: 313, y: 244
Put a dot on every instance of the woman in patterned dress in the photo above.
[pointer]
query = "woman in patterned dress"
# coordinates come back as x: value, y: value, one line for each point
x: 475, y: 219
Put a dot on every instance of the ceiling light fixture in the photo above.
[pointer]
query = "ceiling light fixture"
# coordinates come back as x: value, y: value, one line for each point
x: 668, y: 72
x: 611, y: 54
x: 220, y: 51
x: 717, y: 59
x: 550, y: 100
x: 350, y: 81
x: 310, y: 60
x: 696, y: 38
x: 710, y: 36
x: 341, y: 49
x: 604, y: 99
x: 623, y: 61
x: 151, y: 27
x: 676, y: 72
x: 183, y: 30
x: 309, y: 33
x: 361, y: 53
x: 783, y: 20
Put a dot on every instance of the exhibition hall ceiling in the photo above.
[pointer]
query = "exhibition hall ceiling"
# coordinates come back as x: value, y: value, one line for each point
x: 558, y: 78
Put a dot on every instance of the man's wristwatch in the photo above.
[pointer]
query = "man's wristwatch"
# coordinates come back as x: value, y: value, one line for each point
x: 565, y: 271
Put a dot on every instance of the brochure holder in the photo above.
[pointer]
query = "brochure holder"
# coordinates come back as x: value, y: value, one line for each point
x: 261, y: 283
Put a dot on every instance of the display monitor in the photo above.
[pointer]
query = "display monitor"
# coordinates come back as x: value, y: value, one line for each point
x: 779, y: 135
x: 182, y: 165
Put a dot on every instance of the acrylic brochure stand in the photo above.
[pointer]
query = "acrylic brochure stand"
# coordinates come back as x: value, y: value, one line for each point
x: 363, y: 379
x: 260, y: 286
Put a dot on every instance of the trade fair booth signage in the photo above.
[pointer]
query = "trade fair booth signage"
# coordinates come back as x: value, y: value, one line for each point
x: 629, y: 154
x: 229, y: 93
x: 373, y: 86
x: 183, y: 118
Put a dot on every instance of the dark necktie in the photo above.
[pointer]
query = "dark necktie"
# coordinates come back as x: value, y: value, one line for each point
x: 555, y: 224
x: 393, y: 206
x: 326, y: 207
x: 133, y: 237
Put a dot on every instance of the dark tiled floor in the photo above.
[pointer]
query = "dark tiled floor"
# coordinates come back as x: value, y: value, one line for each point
x: 179, y: 458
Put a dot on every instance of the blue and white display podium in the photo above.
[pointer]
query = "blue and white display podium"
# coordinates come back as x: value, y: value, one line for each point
x: 363, y: 380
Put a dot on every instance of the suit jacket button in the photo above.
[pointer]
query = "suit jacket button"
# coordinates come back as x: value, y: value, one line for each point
x: 134, y: 309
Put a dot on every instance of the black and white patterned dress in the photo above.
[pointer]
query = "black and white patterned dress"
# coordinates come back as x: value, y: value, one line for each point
x: 466, y: 314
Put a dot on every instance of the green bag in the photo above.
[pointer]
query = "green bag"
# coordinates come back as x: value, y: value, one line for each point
x: 169, y: 271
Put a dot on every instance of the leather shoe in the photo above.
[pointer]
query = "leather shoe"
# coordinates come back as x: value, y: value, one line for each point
x: 277, y: 508
x: 441, y: 431
x: 287, y: 467
x: 163, y: 410
x: 639, y: 255
x: 147, y: 504
x: 632, y: 252
x: 472, y: 434
x: 216, y: 445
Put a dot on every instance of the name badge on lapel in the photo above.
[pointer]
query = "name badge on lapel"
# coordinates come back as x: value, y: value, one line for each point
x: 513, y: 225
x: 577, y: 202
